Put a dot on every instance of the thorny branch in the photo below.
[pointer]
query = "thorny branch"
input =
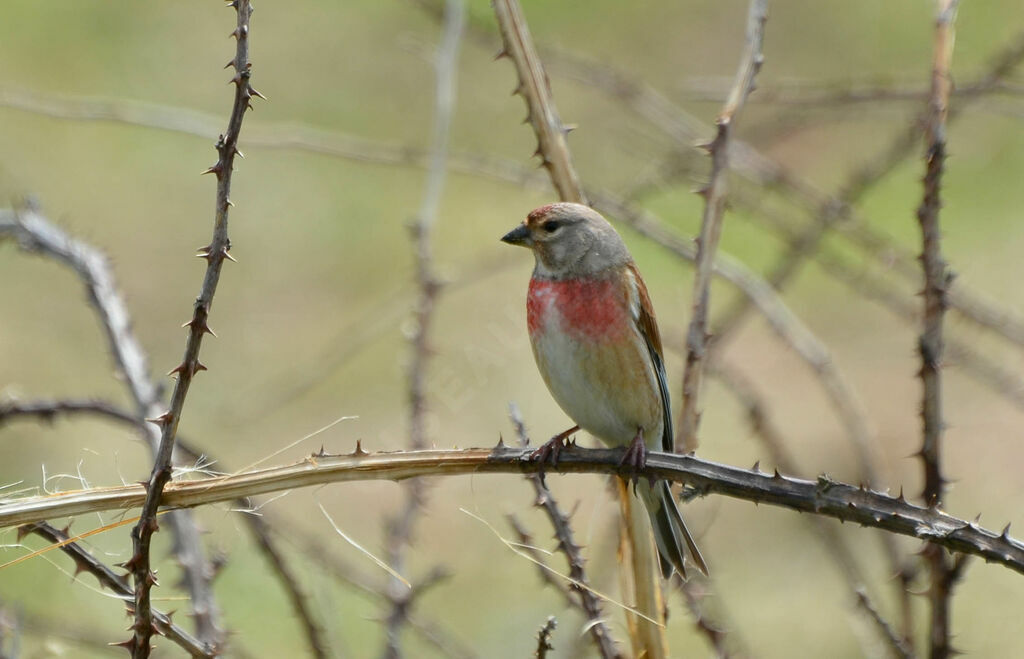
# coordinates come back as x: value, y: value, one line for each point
x: 259, y: 525
x: 86, y: 562
x: 215, y: 253
x: 936, y: 281
x: 544, y: 638
x: 34, y: 233
x: 400, y: 528
x: 824, y: 496
x: 535, y: 88
x: 714, y: 194
x: 588, y: 602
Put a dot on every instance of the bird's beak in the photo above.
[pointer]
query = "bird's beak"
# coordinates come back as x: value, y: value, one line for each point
x: 518, y: 236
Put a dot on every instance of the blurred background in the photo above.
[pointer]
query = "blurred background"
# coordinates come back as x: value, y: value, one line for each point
x: 108, y: 111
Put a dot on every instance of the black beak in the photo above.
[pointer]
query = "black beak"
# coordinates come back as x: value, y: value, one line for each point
x: 518, y: 236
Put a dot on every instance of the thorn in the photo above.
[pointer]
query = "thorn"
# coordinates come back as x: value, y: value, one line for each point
x: 705, y: 146
x: 212, y: 169
x: 757, y: 467
x: 901, y: 498
x: 228, y: 202
x: 203, y: 327
x: 1005, y: 535
x: 568, y: 128
x: 501, y: 442
x: 24, y: 530
x: 359, y: 449
x: 231, y: 62
x: 703, y: 191
x: 239, y: 153
x: 161, y: 420
x: 235, y: 80
x: 519, y: 89
x: 253, y: 91
x: 777, y: 475
x: 501, y: 53
x: 127, y: 645
x: 227, y: 255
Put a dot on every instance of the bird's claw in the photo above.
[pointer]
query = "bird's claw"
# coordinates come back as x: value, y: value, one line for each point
x: 550, y: 451
x: 634, y: 461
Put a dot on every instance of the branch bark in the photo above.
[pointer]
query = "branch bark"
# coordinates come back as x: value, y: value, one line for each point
x: 823, y: 496
x: 711, y: 224
x: 215, y: 253
x: 936, y: 282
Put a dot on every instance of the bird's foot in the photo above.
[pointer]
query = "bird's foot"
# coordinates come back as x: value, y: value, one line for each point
x: 550, y: 451
x: 634, y: 459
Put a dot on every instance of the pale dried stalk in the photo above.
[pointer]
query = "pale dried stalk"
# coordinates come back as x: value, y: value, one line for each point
x: 535, y: 89
x: 35, y: 233
x: 936, y: 281
x: 714, y: 194
x: 400, y: 529
x: 215, y: 253
x: 824, y: 496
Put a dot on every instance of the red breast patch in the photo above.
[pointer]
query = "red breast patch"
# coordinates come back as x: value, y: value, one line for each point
x: 590, y: 308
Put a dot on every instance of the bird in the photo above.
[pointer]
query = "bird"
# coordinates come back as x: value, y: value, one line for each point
x: 596, y: 343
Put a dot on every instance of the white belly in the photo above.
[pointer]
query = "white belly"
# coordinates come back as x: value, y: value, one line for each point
x: 607, y: 387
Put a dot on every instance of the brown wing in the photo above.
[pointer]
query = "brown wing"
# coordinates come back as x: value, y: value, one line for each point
x: 648, y: 326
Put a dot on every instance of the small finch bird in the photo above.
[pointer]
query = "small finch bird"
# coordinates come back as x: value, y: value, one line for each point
x: 598, y: 349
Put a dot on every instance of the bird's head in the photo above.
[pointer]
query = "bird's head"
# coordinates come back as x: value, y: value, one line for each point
x: 569, y: 240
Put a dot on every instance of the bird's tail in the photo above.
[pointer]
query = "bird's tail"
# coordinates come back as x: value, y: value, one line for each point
x: 670, y: 532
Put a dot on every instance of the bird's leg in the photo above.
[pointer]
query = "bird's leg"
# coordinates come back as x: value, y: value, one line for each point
x: 634, y: 459
x: 551, y: 449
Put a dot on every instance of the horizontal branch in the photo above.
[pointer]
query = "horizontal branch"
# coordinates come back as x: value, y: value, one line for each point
x: 823, y: 496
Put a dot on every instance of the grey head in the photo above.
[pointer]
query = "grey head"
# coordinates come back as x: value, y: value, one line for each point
x: 569, y: 240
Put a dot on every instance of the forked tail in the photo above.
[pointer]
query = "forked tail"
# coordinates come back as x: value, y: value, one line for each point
x: 670, y: 533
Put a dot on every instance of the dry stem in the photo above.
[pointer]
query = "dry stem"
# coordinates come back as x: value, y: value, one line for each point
x: 936, y: 282
x: 823, y: 496
x: 711, y: 224
x: 215, y: 253
x: 588, y: 602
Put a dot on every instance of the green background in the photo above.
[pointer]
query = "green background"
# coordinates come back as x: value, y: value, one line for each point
x: 313, y: 320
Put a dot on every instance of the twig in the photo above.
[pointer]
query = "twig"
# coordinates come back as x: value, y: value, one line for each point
x: 544, y: 638
x: 546, y: 501
x: 526, y: 544
x: 215, y: 253
x: 714, y: 194
x: 86, y: 562
x: 823, y: 496
x: 400, y: 529
x: 897, y: 644
x: 535, y: 89
x: 830, y: 211
x: 35, y: 233
x: 936, y: 281
x: 992, y: 374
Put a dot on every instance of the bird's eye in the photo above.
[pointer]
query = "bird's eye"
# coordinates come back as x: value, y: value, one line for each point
x: 551, y: 226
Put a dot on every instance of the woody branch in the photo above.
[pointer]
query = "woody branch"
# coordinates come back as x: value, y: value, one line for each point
x: 711, y: 224
x: 215, y: 253
x: 944, y: 571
